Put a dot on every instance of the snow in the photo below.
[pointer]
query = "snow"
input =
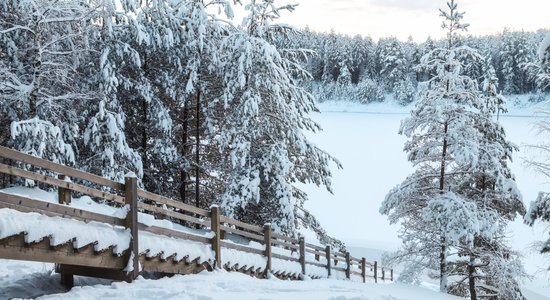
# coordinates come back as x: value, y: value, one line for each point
x: 20, y: 279
x: 236, y: 286
x: 365, y: 139
x: 61, y: 230
x: 155, y: 245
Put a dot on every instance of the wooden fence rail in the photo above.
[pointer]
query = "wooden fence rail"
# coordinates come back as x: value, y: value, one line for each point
x: 128, y: 194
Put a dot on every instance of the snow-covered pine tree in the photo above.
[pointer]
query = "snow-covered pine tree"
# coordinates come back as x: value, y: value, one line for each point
x: 495, y: 101
x: 539, y: 70
x: 331, y: 58
x: 515, y: 54
x: 43, y: 47
x: 166, y: 94
x: 202, y: 174
x: 265, y: 113
x: 540, y: 208
x: 345, y: 76
x: 107, y: 151
x: 393, y: 65
x: 147, y: 123
x: 369, y: 91
x: 405, y: 91
x: 462, y: 193
x: 425, y: 48
x: 491, y: 188
x: 362, y: 57
x: 315, y: 42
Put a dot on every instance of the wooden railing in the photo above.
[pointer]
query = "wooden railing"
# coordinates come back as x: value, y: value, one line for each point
x: 118, y: 194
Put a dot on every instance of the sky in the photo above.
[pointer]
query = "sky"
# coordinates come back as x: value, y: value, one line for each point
x: 416, y: 18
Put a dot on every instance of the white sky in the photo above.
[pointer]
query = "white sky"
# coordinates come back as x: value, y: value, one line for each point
x: 418, y: 18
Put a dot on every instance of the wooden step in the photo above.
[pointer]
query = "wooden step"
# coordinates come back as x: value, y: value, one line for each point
x: 16, y: 248
x: 157, y: 264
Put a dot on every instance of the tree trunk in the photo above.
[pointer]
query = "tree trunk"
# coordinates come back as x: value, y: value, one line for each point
x: 443, y: 266
x: 145, y: 121
x: 145, y: 108
x: 184, y: 137
x: 37, y: 64
x: 197, y: 150
x: 471, y: 279
x: 443, y: 250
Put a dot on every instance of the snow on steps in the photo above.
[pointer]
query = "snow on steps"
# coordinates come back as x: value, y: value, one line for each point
x: 157, y: 253
x: 32, y: 231
x: 102, y: 245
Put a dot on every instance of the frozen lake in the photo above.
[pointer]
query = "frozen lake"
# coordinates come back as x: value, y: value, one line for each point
x: 366, y: 141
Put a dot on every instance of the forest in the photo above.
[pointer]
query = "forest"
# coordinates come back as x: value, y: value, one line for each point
x: 198, y: 109
x: 209, y: 112
x: 362, y: 70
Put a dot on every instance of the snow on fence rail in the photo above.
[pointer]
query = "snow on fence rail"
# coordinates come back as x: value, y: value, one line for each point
x: 279, y: 255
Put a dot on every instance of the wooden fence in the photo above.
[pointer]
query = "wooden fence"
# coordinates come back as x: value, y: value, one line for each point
x: 118, y: 194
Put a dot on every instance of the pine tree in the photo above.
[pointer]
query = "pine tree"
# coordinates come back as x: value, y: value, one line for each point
x: 405, y: 91
x: 515, y: 54
x: 362, y: 52
x: 345, y: 76
x: 144, y: 89
x: 39, y: 91
x: 264, y: 112
x: 540, y: 208
x: 331, y: 59
x: 539, y: 70
x: 167, y: 93
x: 201, y: 45
x: 107, y: 151
x: 462, y: 193
x: 392, y: 62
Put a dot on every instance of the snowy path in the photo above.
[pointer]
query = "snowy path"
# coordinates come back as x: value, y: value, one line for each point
x: 235, y: 286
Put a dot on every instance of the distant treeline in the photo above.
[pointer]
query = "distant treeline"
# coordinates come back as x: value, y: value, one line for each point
x: 359, y: 69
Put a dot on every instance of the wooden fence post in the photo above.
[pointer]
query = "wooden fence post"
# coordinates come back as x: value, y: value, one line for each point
x: 130, y: 195
x: 327, y: 249
x: 348, y: 267
x: 267, y: 242
x: 391, y: 274
x: 215, y: 227
x: 383, y: 275
x: 303, y: 255
x: 67, y: 279
x: 63, y: 194
x: 375, y: 272
x: 363, y: 270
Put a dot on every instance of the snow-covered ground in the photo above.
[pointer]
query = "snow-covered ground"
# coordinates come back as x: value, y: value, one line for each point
x: 365, y: 140
x: 217, y: 285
